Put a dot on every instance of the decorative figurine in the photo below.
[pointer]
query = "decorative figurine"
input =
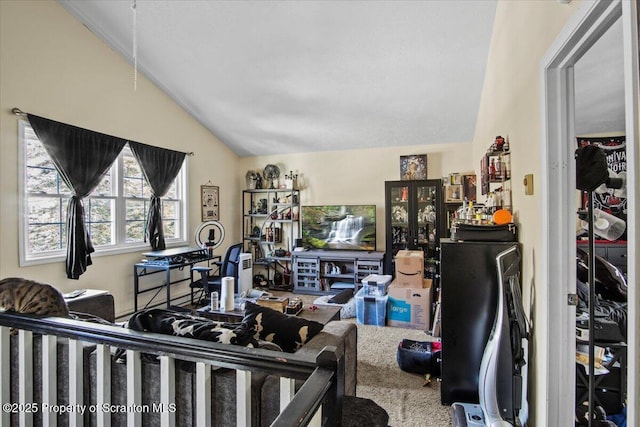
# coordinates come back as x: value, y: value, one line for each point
x: 251, y: 178
x: 404, y: 194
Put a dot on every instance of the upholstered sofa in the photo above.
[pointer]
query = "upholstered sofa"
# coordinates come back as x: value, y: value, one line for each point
x: 264, y: 391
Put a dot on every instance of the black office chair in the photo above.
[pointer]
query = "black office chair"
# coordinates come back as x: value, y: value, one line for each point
x: 227, y: 268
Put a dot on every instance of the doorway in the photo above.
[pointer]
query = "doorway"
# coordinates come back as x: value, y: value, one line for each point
x: 559, y: 219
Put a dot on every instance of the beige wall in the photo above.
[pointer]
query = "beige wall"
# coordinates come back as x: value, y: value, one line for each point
x: 358, y: 176
x: 511, y: 105
x: 52, y: 66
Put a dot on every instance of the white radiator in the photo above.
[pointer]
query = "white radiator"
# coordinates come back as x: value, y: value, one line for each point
x: 245, y: 275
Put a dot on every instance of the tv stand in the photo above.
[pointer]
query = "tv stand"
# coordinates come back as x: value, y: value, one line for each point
x: 316, y: 271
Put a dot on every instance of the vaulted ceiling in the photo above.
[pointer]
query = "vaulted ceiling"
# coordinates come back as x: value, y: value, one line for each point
x: 276, y: 77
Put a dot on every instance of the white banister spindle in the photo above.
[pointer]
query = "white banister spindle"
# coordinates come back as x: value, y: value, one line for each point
x: 76, y: 375
x: 287, y: 391
x: 76, y: 407
x: 5, y: 370
x: 25, y: 375
x: 203, y: 395
x: 49, y: 379
x: 316, y: 421
x: 134, y: 388
x: 243, y: 398
x: 167, y: 391
x: 103, y: 384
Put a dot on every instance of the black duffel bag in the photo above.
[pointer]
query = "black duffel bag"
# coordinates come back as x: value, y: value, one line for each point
x: 484, y: 233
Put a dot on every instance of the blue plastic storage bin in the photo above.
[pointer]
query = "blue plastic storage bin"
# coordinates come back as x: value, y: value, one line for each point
x: 371, y: 310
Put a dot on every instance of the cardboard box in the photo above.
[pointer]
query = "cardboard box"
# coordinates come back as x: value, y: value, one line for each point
x: 409, y: 268
x: 276, y: 303
x: 409, y: 307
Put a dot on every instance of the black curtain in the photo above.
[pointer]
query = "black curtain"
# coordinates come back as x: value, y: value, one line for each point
x: 81, y: 157
x: 160, y: 167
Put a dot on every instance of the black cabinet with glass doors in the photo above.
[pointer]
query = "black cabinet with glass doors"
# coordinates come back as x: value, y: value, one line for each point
x: 415, y: 220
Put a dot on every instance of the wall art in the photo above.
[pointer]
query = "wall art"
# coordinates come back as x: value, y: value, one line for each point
x: 210, y: 199
x: 413, y: 167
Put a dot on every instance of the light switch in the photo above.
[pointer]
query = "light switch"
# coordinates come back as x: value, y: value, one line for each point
x: 528, y: 184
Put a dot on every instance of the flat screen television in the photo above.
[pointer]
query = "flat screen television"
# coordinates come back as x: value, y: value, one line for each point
x: 339, y: 227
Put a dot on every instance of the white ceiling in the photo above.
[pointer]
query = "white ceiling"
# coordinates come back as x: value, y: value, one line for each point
x: 599, y: 86
x: 276, y: 77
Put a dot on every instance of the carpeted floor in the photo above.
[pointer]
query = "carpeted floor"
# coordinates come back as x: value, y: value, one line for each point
x: 403, y: 395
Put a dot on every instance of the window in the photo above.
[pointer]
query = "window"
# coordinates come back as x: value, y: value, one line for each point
x: 115, y: 212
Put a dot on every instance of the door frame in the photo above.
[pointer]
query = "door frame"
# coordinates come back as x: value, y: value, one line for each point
x: 557, y: 358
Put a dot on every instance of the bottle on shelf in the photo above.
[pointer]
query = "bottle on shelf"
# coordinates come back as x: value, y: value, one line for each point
x: 506, y: 198
x: 506, y: 166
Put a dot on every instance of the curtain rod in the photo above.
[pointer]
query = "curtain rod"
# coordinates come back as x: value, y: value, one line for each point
x: 19, y: 112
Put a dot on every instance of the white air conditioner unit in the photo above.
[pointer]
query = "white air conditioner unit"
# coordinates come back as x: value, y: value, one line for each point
x: 245, y: 275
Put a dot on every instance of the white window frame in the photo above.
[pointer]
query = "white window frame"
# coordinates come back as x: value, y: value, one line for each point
x: 120, y: 247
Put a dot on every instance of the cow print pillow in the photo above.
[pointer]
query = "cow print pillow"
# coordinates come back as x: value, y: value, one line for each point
x: 289, y: 332
x: 169, y: 322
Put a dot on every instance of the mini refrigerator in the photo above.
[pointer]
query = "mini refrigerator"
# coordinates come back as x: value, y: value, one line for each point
x: 469, y: 295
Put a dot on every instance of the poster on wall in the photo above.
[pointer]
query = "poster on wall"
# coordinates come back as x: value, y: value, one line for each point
x: 413, y: 167
x: 613, y: 201
x: 210, y: 202
x: 469, y: 182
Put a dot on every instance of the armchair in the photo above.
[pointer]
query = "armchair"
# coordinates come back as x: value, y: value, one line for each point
x: 201, y: 277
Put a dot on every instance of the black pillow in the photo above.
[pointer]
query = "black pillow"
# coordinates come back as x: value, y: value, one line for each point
x: 289, y: 332
x: 342, y: 297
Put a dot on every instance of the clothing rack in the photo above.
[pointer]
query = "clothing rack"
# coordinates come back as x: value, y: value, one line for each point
x: 592, y: 297
x: 591, y: 263
x: 591, y: 173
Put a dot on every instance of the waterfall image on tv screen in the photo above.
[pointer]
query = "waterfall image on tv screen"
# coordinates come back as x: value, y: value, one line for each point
x: 346, y: 227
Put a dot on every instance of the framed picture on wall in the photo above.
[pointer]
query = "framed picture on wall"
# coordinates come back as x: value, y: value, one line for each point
x: 210, y: 199
x: 413, y: 167
x: 469, y: 189
x: 453, y: 193
x: 455, y: 178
